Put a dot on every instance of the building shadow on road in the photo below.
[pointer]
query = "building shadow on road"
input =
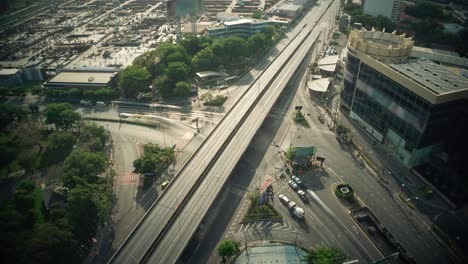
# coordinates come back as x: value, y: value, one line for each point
x: 204, y: 242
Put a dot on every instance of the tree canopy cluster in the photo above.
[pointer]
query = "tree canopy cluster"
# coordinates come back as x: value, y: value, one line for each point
x: 169, y: 67
x: 62, y: 116
x: 30, y: 233
x: 228, y: 249
x: 155, y: 160
x: 368, y: 21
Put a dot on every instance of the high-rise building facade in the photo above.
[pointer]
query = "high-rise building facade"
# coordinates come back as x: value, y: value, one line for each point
x: 412, y: 106
x: 386, y: 8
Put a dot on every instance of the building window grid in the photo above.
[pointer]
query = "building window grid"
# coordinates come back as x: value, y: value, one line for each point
x: 400, y: 95
x: 381, y: 119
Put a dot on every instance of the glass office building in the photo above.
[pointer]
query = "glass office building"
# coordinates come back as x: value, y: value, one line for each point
x: 405, y: 104
x: 241, y: 28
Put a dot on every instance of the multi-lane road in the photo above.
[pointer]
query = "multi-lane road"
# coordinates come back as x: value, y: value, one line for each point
x: 167, y: 227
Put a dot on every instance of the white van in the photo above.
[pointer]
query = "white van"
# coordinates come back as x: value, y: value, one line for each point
x: 99, y: 103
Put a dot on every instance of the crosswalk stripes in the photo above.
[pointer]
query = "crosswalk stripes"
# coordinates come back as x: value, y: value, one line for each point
x: 128, y: 178
x: 259, y: 225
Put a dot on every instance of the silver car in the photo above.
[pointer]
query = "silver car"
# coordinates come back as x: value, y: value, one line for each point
x: 293, y: 185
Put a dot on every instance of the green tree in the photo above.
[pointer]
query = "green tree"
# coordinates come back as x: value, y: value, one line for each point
x: 193, y: 44
x: 83, y: 212
x: 155, y: 160
x: 81, y: 168
x: 269, y: 31
x: 256, y: 43
x: 290, y: 153
x: 235, y: 47
x: 69, y: 119
x: 326, y: 255
x: 104, y: 94
x: 10, y: 114
x: 8, y: 150
x: 50, y: 244
x: 183, y: 89
x: 203, y: 60
x: 53, y: 114
x: 257, y: 14
x: 24, y: 202
x: 59, y: 146
x: 228, y: 248
x: 177, y: 71
x: 163, y: 85
x: 93, y: 138
x: 133, y: 80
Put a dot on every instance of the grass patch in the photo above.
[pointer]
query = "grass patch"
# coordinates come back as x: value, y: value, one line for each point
x: 38, y: 206
x: 263, y: 212
x: 299, y: 118
x: 217, y: 100
x: 348, y: 200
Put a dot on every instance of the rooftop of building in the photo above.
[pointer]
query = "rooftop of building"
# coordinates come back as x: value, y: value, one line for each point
x: 82, y: 77
x: 244, y: 21
x: 328, y: 63
x: 380, y: 44
x: 431, y: 76
x: 271, y: 253
x: 319, y: 85
x: 289, y: 7
x: 6, y: 72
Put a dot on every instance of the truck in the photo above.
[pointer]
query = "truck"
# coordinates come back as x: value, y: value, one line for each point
x: 298, y: 212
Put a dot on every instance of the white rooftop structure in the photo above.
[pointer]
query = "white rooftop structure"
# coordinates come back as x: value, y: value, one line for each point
x: 328, y: 63
x: 80, y: 79
x: 7, y: 72
x: 320, y: 85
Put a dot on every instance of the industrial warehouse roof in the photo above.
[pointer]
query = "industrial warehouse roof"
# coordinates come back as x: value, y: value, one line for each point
x: 5, y: 72
x: 431, y: 76
x: 244, y: 21
x: 328, y: 63
x: 82, y: 77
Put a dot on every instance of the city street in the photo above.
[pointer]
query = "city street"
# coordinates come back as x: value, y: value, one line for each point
x: 323, y: 228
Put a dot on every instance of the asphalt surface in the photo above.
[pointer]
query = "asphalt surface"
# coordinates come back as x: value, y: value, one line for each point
x: 154, y: 222
x: 327, y: 222
x: 181, y: 231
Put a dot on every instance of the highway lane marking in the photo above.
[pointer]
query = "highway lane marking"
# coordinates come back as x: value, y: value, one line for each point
x: 333, y: 215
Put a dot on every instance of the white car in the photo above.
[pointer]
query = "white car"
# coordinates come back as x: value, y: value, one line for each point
x: 291, y: 205
x: 283, y: 199
x: 296, y: 180
x: 293, y: 185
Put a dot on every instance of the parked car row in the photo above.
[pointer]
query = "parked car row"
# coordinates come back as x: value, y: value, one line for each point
x: 292, y: 206
x: 89, y: 103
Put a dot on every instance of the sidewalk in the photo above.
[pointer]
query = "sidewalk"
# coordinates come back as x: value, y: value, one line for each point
x: 396, y: 178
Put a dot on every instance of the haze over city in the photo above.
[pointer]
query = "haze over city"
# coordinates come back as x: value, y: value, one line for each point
x: 233, y: 131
